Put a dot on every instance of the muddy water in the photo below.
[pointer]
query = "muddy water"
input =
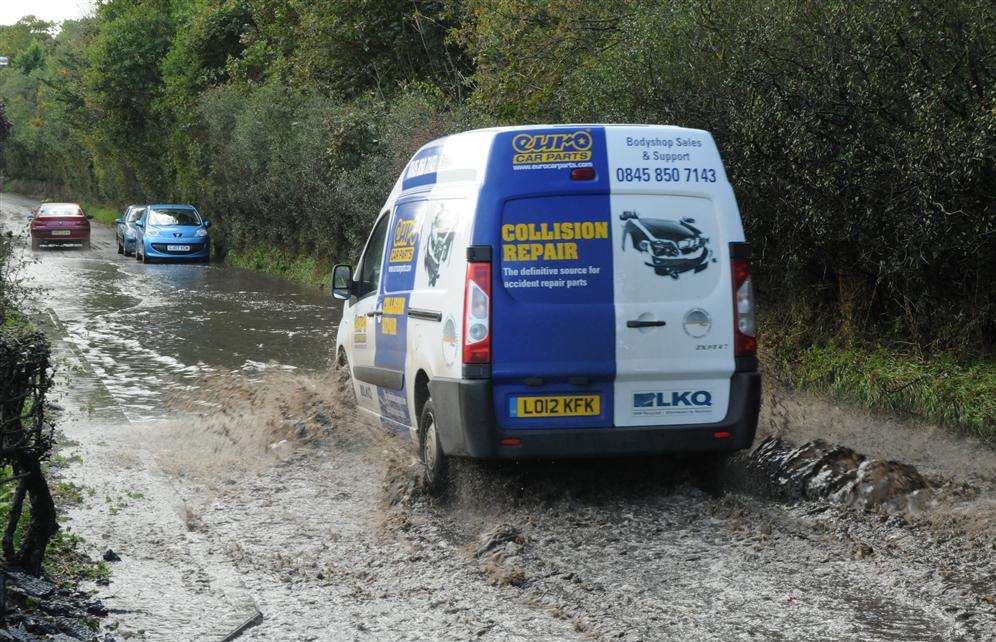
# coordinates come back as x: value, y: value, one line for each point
x: 149, y: 329
x: 274, y: 500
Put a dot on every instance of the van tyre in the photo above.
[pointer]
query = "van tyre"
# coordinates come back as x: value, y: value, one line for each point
x: 344, y: 379
x: 35, y: 244
x: 430, y: 451
x: 711, y: 471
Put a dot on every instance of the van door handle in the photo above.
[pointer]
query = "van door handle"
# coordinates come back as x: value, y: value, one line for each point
x: 375, y: 313
x: 636, y: 323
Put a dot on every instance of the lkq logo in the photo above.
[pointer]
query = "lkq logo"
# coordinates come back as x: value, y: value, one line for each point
x: 672, y: 401
x: 552, y: 148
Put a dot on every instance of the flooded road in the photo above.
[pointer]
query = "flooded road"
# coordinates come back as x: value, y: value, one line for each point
x: 150, y: 329
x: 218, y: 459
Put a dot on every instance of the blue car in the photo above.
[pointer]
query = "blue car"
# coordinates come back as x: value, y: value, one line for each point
x: 125, y: 232
x: 172, y: 232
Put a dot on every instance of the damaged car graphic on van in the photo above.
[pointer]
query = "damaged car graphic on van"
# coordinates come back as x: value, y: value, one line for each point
x: 672, y: 247
x: 438, y: 245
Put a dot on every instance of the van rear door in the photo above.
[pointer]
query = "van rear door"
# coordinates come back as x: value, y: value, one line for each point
x: 673, y: 303
x: 554, y: 314
x: 613, y: 299
x: 632, y: 312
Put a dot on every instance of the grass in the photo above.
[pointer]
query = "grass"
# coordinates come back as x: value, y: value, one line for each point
x: 105, y: 215
x: 273, y: 260
x: 15, y: 321
x: 940, y: 387
x: 65, y: 563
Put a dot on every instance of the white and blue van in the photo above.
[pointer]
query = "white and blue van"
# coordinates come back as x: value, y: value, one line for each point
x: 556, y: 291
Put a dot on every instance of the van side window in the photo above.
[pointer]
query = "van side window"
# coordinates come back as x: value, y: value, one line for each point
x: 368, y: 274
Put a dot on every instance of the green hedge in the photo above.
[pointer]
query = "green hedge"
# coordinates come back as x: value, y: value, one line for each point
x: 939, y: 387
x: 860, y: 135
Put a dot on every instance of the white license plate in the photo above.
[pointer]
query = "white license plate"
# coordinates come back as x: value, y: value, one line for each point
x: 61, y: 232
x: 177, y: 248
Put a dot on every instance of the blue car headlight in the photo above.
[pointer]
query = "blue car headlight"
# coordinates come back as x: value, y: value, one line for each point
x: 201, y: 232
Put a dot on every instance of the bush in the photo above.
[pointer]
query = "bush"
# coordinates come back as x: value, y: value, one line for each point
x: 309, y: 174
x: 860, y: 136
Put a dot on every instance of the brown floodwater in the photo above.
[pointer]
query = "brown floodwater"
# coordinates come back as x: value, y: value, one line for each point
x: 218, y: 458
x: 150, y: 330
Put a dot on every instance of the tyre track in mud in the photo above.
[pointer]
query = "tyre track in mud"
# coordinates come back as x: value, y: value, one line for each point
x: 134, y: 510
x: 670, y: 561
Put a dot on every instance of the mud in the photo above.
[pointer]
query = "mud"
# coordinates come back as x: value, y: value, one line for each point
x: 34, y: 609
x: 818, y: 470
x: 236, y: 490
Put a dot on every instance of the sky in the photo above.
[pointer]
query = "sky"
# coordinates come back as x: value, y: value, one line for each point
x: 52, y: 10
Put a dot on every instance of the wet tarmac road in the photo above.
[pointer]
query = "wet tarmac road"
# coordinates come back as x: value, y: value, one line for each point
x: 276, y: 506
x: 148, y: 330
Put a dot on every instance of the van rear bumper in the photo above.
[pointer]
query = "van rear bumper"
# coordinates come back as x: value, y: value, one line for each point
x: 466, y: 425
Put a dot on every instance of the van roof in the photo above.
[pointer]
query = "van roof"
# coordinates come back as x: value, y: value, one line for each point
x: 512, y: 128
x: 467, y: 159
x: 494, y: 131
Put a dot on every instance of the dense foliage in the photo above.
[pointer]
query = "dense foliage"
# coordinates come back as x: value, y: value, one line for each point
x: 860, y: 135
x: 27, y: 508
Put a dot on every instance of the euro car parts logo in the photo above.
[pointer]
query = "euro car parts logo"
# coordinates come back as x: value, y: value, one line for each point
x: 403, y: 245
x: 675, y: 399
x: 557, y: 148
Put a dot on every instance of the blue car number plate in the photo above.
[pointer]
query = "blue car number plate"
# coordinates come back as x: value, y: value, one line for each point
x: 178, y: 248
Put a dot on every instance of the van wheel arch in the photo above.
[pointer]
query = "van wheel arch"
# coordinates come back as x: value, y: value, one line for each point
x: 421, y: 391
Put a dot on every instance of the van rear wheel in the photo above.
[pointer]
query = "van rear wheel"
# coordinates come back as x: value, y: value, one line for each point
x: 431, y: 452
x: 711, y: 471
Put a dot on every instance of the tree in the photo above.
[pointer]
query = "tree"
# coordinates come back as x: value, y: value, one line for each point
x: 123, y: 82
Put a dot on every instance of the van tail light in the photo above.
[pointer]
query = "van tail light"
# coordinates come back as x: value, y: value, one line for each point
x: 477, y: 314
x: 744, y: 326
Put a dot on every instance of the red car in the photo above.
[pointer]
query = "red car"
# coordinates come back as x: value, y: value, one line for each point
x: 60, y: 223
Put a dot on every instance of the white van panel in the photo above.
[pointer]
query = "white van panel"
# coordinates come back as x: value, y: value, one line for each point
x: 677, y: 372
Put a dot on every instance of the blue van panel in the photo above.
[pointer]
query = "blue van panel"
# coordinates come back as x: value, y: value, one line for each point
x: 421, y: 169
x: 550, y: 325
x: 397, y: 282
